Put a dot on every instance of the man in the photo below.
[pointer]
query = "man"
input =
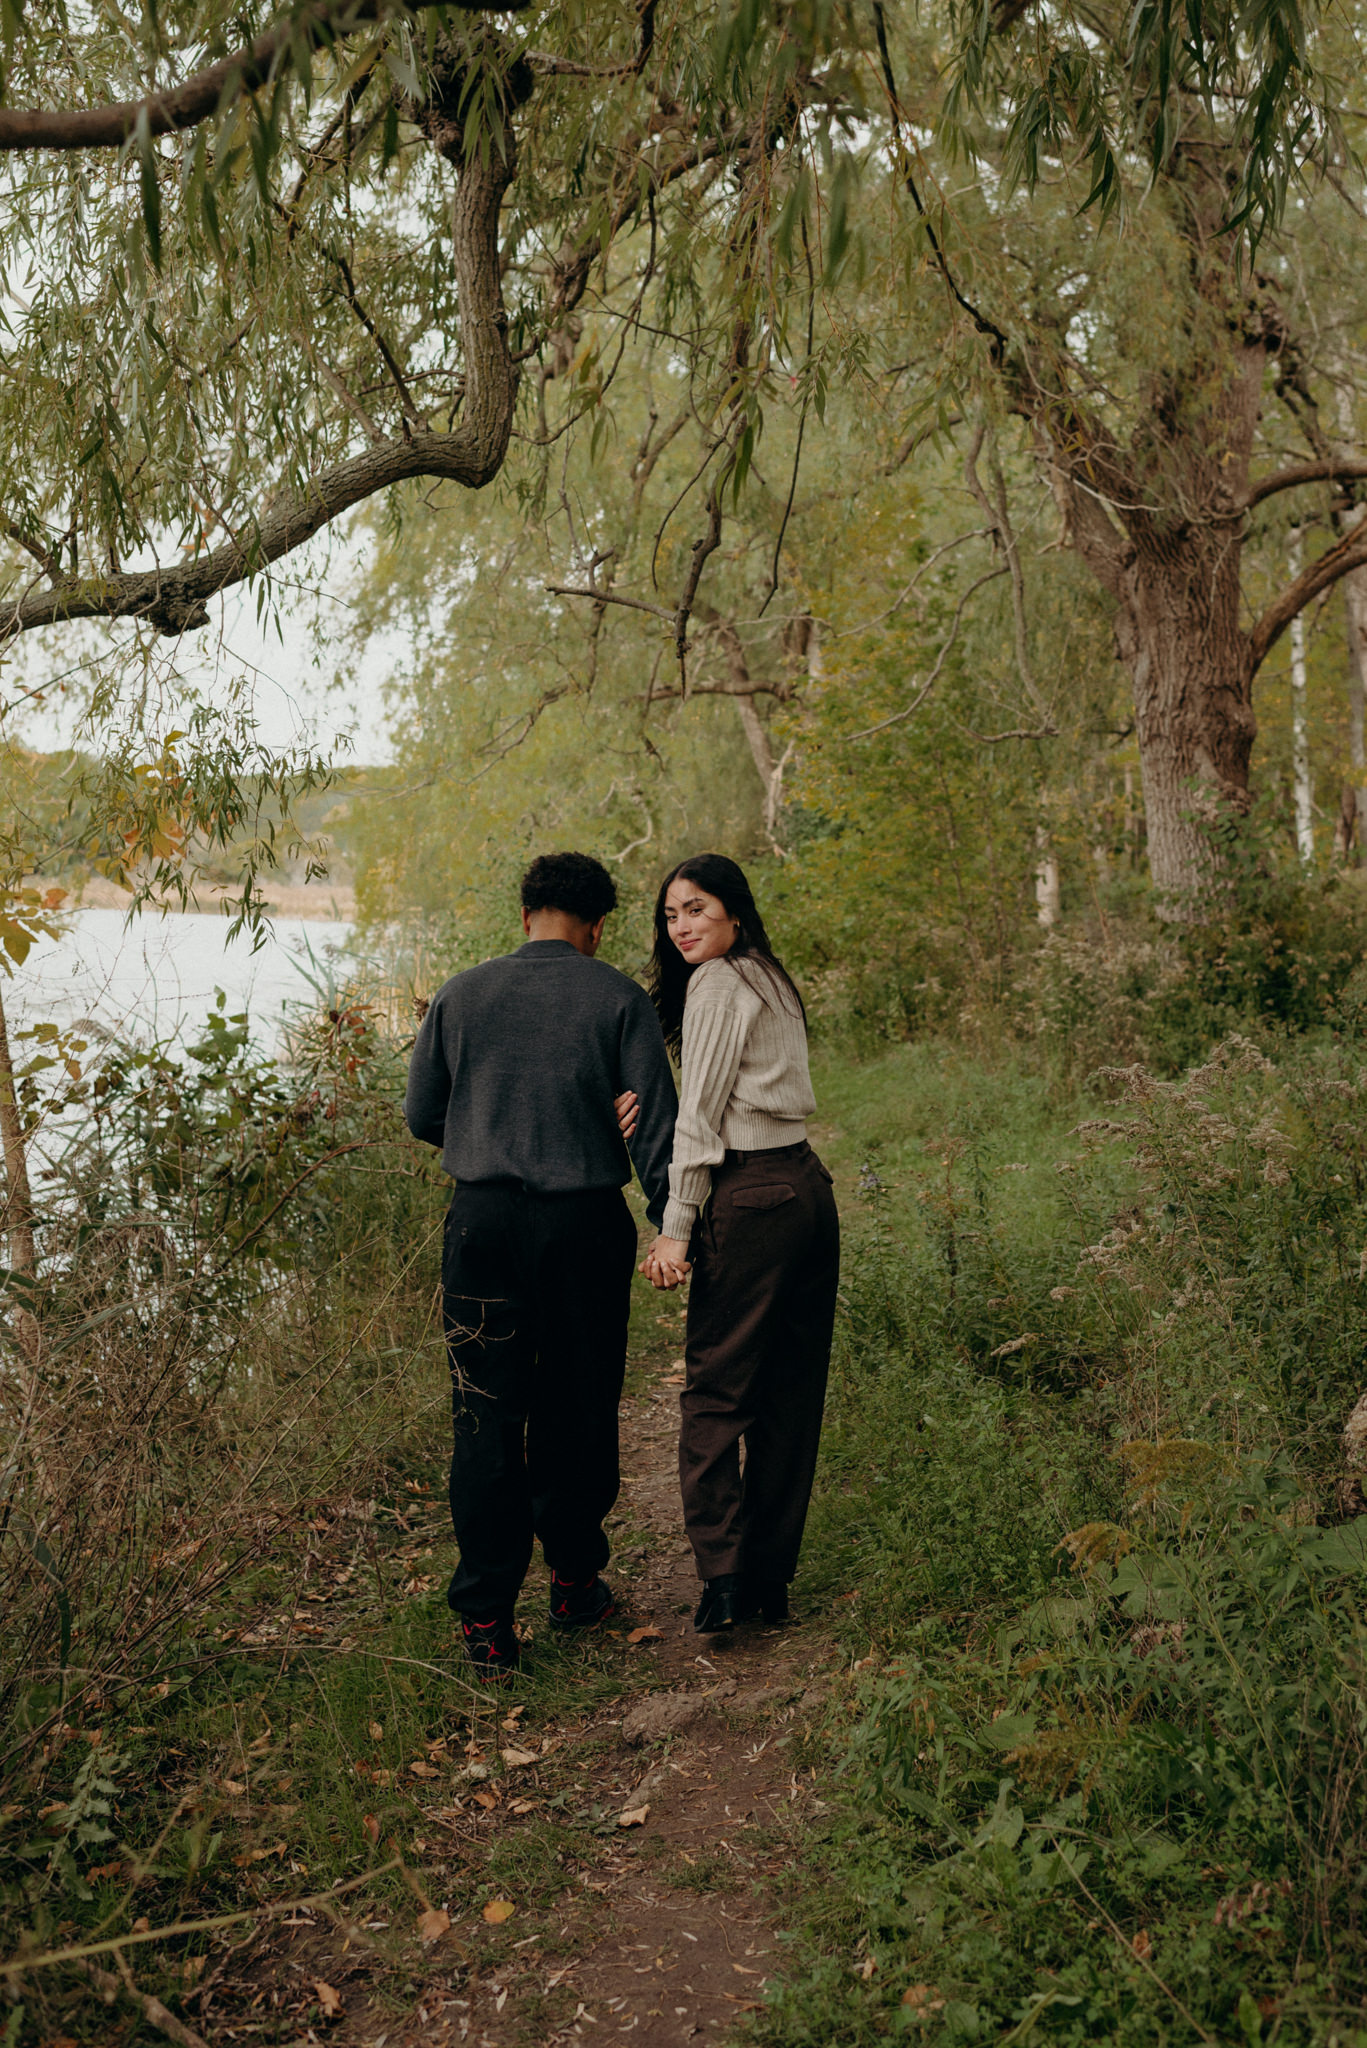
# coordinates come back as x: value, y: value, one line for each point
x: 514, y: 1076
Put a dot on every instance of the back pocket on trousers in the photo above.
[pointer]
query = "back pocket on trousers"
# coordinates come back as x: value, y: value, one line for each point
x: 771, y: 1197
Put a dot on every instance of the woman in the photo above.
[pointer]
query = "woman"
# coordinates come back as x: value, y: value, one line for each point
x: 752, y: 1214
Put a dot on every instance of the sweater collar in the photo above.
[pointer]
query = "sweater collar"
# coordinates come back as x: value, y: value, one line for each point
x: 546, y: 949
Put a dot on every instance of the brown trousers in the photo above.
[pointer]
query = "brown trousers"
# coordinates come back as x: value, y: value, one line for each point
x: 761, y: 1308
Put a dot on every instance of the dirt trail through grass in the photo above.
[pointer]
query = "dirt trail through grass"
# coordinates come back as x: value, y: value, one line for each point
x: 642, y: 1844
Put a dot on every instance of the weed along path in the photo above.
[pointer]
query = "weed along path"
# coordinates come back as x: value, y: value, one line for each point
x: 602, y: 1850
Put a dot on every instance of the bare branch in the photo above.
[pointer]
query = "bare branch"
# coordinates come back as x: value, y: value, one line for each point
x: 633, y: 604
x: 1333, y: 469
x: 1348, y: 554
x: 940, y: 661
x: 186, y: 105
x: 46, y: 560
x: 565, y: 67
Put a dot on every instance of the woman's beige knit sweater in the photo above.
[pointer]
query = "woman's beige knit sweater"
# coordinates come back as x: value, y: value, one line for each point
x: 744, y: 1083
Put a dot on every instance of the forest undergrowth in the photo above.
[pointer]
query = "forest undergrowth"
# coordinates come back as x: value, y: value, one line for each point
x: 1087, y: 1530
x: 1098, y: 1541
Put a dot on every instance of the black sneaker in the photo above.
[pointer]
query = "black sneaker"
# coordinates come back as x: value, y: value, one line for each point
x: 719, y: 1607
x: 491, y: 1647
x: 763, y: 1600
x: 580, y: 1603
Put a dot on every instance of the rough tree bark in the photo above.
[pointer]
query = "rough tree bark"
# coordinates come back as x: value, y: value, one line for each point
x: 1161, y: 521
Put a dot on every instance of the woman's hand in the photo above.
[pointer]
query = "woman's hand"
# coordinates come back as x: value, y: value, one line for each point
x: 628, y: 1110
x: 666, y: 1263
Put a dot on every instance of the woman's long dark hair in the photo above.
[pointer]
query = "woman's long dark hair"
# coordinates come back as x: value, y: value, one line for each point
x: 669, y: 971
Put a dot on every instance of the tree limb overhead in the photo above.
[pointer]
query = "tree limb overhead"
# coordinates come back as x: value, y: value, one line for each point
x: 186, y: 105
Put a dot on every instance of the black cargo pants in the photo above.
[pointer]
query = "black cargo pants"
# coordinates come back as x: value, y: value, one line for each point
x: 535, y: 1297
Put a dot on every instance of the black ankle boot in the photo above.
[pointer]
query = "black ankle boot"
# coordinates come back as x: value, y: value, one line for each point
x: 719, y: 1607
x: 763, y: 1600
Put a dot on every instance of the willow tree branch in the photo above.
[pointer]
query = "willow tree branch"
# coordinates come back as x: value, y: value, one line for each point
x: 633, y: 604
x: 1348, y: 554
x: 44, y: 557
x: 940, y: 660
x: 207, y: 91
x: 566, y: 67
x: 1332, y: 469
x: 175, y: 599
x: 980, y: 320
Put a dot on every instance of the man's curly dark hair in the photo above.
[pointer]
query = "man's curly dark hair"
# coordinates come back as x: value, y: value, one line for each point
x: 573, y: 882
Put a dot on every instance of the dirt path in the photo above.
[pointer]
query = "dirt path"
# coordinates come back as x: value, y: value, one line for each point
x: 640, y: 1847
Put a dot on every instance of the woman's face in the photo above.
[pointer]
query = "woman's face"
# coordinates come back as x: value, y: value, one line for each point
x: 700, y: 925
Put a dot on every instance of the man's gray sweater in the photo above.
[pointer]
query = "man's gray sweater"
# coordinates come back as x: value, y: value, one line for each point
x: 515, y: 1069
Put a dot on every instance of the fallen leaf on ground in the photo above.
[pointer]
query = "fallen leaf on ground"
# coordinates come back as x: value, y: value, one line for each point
x: 234, y: 1787
x: 433, y: 1923
x: 514, y: 1758
x: 422, y: 1770
x: 142, y: 1925
x: 1141, y: 1945
x: 499, y: 1910
x: 488, y: 1800
x: 649, y: 1634
x: 512, y: 1717
x: 371, y: 1827
x: 329, y: 1999
x: 634, y: 1817
x: 523, y: 1806
x: 376, y: 1732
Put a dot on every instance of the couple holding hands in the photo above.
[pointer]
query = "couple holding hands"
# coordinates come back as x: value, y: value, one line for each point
x: 535, y: 1074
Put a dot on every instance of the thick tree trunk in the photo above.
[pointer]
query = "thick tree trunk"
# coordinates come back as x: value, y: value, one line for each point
x: 1178, y: 632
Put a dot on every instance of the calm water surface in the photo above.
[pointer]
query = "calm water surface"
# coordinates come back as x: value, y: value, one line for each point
x: 156, y: 977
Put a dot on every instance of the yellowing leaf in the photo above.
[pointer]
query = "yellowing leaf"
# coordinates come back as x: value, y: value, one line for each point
x: 433, y: 1923
x: 329, y: 1999
x: 499, y: 1910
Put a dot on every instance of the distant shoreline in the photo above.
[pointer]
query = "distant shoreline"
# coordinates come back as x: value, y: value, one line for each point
x: 323, y: 902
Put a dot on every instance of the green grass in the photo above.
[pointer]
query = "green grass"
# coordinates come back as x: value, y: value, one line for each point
x: 1106, y: 1793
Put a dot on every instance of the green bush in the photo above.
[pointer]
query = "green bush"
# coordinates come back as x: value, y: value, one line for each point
x: 1085, y: 1469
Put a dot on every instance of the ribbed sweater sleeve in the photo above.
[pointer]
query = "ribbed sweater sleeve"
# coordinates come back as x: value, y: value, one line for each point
x: 717, y: 1020
x: 645, y: 1069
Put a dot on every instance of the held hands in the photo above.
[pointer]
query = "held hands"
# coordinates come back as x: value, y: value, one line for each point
x: 666, y: 1263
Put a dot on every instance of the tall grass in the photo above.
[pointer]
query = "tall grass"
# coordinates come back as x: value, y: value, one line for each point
x: 235, y: 1288
x: 1087, y: 1508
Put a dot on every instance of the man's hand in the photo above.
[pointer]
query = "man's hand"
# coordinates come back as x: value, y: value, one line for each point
x: 628, y: 1110
x: 666, y: 1264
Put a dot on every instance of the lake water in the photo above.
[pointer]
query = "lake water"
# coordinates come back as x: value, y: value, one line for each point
x: 156, y: 977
